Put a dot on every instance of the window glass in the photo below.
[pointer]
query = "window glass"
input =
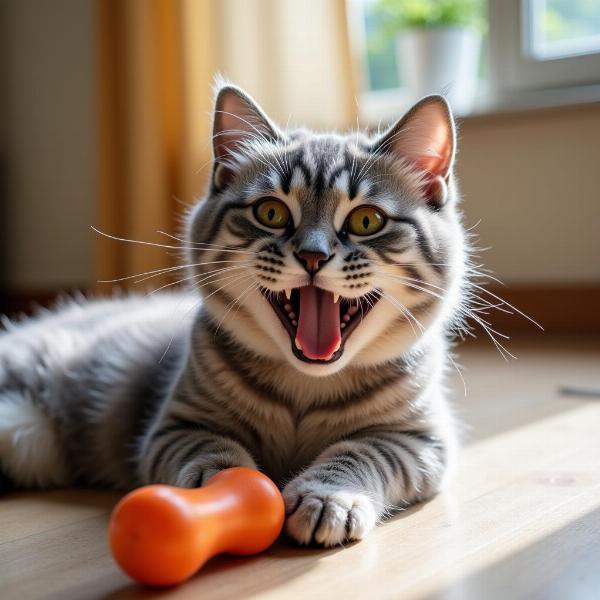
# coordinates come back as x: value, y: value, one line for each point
x: 382, y: 66
x: 561, y: 28
x: 379, y: 21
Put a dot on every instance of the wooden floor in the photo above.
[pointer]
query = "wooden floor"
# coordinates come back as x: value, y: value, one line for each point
x: 521, y: 519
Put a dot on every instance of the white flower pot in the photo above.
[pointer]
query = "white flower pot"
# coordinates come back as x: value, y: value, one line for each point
x: 441, y: 60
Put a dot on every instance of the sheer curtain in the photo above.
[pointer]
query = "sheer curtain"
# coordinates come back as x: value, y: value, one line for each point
x: 157, y: 62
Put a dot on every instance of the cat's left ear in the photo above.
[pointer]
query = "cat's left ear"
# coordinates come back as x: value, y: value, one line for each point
x: 426, y: 138
x: 238, y: 120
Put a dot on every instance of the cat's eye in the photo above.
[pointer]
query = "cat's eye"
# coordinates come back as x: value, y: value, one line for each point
x: 273, y: 213
x: 365, y: 220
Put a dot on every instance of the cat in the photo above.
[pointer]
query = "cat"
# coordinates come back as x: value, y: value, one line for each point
x: 326, y: 275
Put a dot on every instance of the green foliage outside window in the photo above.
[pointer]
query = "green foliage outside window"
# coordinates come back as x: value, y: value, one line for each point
x: 404, y: 14
x: 385, y: 18
x: 570, y: 19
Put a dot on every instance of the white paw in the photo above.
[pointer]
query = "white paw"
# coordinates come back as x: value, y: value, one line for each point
x: 325, y: 514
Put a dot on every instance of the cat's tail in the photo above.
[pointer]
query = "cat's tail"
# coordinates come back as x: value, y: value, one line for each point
x: 29, y: 447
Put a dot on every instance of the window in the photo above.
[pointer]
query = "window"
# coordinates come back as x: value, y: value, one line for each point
x: 561, y: 28
x: 394, y: 42
x: 380, y: 54
x: 533, y: 52
x: 542, y: 44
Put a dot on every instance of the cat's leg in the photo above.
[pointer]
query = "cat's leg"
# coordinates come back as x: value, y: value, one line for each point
x: 354, y: 483
x: 187, y: 454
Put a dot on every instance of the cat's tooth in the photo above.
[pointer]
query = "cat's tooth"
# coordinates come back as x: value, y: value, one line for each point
x: 334, y: 351
x: 336, y: 297
x: 298, y: 344
x: 288, y: 293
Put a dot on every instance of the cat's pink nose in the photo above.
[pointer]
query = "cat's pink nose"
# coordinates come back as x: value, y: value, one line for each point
x: 312, y: 261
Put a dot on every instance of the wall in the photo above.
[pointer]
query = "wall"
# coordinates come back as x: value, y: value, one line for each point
x: 533, y: 180
x: 47, y: 143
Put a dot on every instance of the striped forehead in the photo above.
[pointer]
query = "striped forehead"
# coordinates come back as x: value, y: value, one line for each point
x: 323, y: 168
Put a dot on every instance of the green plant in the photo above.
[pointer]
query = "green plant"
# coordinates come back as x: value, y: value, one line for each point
x: 421, y: 14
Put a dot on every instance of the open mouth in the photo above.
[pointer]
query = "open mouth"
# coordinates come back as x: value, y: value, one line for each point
x: 317, y: 322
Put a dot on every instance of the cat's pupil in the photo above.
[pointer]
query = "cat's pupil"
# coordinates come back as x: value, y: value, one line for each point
x: 271, y: 214
x: 366, y: 222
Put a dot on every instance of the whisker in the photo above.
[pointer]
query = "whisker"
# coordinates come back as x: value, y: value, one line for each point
x: 410, y: 264
x: 204, y: 264
x: 149, y: 274
x: 496, y: 297
x: 240, y: 278
x: 402, y: 308
x: 254, y: 285
x: 205, y: 276
x: 468, y: 313
x: 155, y: 244
x: 395, y: 303
x: 206, y: 244
x: 187, y: 312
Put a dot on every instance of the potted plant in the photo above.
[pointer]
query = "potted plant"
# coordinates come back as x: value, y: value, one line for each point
x: 438, y: 46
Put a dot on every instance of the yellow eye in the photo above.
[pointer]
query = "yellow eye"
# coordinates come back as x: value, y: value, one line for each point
x: 365, y: 220
x: 272, y: 213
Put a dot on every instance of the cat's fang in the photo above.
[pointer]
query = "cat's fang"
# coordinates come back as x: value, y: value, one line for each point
x: 298, y: 344
x: 336, y: 297
x: 335, y: 349
x: 288, y: 293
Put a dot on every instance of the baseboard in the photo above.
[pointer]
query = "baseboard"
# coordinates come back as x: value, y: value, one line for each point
x: 559, y: 309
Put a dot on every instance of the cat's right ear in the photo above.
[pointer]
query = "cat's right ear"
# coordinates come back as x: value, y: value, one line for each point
x: 238, y: 120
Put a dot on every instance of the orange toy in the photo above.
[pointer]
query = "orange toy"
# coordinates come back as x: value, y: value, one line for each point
x: 161, y: 535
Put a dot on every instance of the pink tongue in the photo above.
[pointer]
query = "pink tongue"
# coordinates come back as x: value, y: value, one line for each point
x: 318, y: 324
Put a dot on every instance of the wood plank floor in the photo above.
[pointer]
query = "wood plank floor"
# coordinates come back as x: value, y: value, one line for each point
x: 520, y: 520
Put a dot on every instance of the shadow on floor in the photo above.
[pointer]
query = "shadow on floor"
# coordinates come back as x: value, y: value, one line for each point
x: 208, y: 583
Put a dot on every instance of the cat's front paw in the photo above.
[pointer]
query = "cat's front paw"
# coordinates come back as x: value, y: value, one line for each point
x: 325, y: 514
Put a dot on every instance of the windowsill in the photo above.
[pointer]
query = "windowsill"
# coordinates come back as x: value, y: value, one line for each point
x: 382, y: 107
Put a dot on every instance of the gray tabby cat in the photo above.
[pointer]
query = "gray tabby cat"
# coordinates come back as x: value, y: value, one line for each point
x: 332, y: 270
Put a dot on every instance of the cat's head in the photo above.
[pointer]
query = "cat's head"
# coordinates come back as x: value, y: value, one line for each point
x: 327, y: 250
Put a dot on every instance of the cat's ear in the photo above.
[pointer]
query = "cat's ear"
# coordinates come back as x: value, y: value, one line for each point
x: 426, y: 138
x: 237, y: 121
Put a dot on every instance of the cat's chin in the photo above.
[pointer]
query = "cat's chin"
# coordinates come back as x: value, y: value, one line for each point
x: 318, y: 322
x: 318, y: 370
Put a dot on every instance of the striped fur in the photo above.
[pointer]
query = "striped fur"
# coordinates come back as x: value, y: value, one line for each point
x: 134, y: 390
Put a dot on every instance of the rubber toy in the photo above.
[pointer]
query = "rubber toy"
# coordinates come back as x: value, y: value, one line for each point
x: 161, y: 535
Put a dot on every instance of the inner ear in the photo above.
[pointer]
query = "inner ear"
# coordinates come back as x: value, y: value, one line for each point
x: 238, y: 122
x: 426, y: 138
